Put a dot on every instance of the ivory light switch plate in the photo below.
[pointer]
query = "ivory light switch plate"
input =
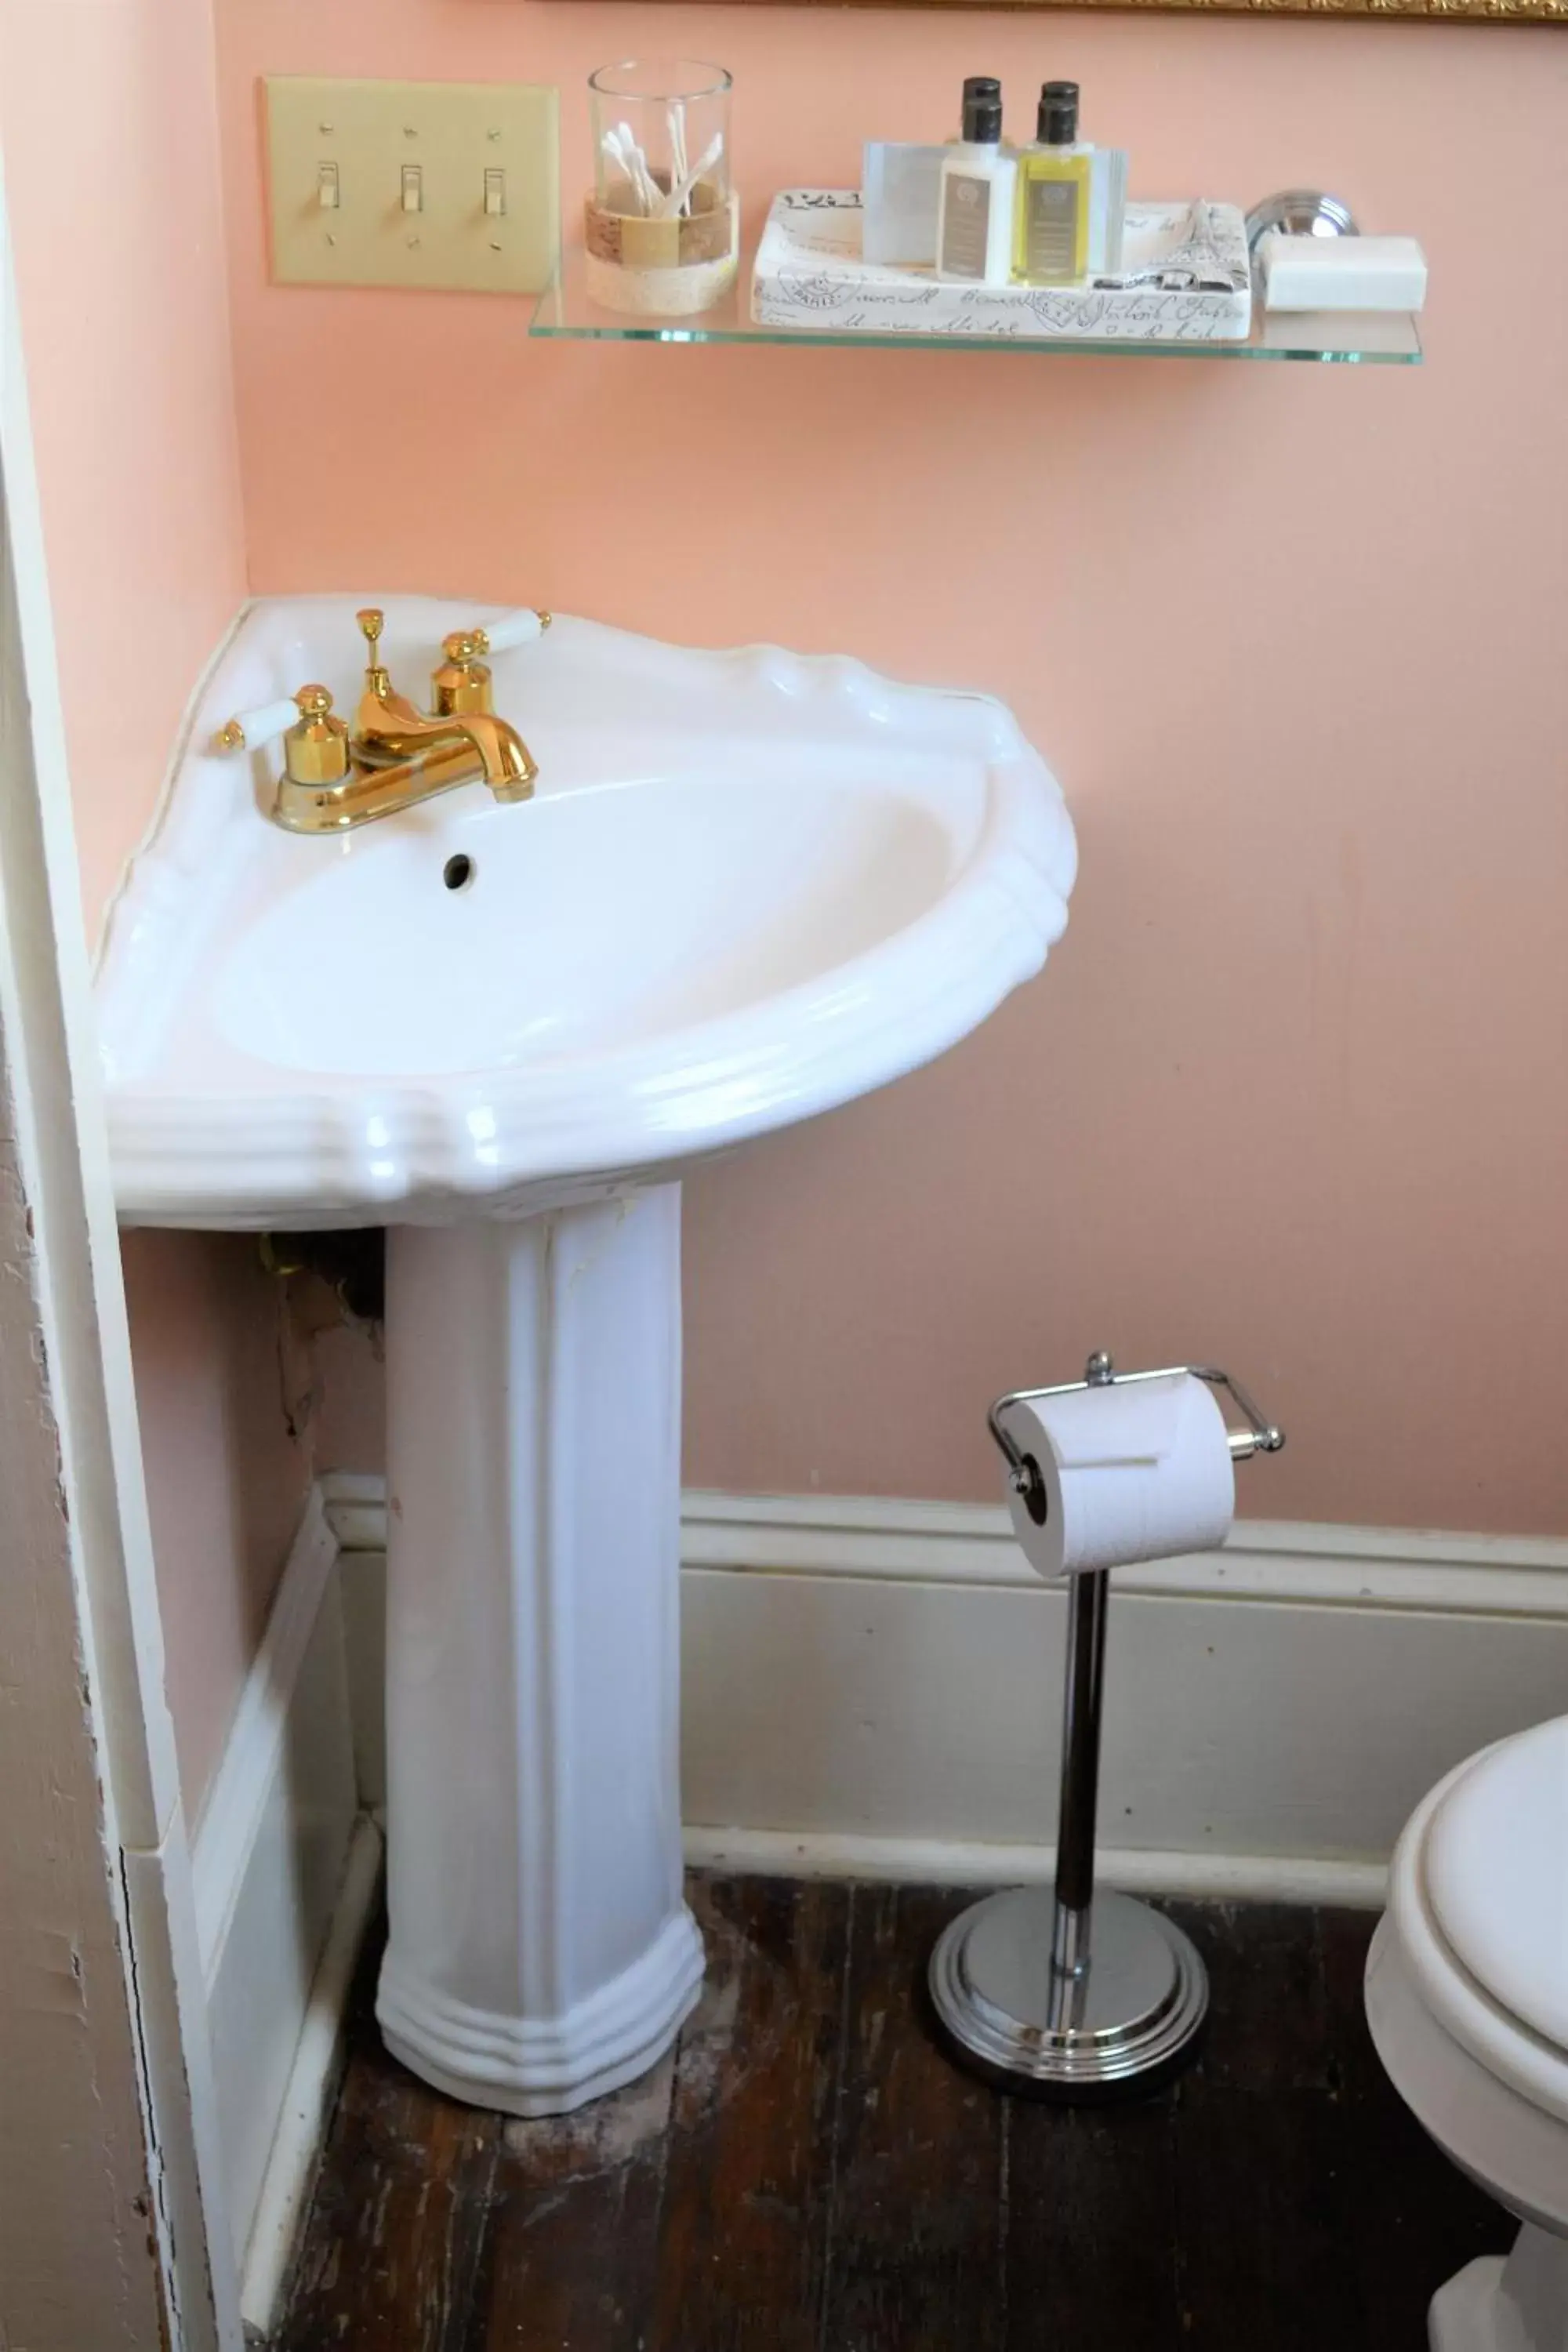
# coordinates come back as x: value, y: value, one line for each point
x: 444, y: 184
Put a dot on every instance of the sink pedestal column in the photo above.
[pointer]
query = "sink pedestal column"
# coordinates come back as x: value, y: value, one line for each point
x: 541, y: 1952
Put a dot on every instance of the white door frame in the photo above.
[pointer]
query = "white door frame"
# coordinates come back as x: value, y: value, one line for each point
x: 109, y: 2237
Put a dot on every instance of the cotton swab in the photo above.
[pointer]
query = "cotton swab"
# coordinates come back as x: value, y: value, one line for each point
x: 610, y: 147
x: 678, y: 138
x: 627, y: 157
x: 623, y: 164
x: 636, y: 162
x: 668, y: 206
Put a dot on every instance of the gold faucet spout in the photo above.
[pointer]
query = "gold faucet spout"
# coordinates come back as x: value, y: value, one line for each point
x: 509, y: 767
x: 395, y: 757
x: 390, y: 731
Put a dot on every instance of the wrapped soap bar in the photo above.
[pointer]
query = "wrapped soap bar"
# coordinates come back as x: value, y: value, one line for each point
x: 1341, y: 273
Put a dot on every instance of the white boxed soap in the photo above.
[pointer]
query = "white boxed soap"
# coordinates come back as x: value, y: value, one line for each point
x: 1342, y: 273
x: 1184, y: 278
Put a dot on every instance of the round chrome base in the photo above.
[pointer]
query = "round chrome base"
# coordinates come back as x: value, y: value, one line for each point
x: 1127, y: 2023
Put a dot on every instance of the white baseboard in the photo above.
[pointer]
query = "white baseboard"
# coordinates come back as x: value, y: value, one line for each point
x: 313, y: 2082
x: 872, y: 1688
x: 235, y: 1812
x: 279, y: 1875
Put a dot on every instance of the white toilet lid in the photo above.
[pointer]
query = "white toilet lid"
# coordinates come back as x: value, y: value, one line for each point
x: 1497, y: 1876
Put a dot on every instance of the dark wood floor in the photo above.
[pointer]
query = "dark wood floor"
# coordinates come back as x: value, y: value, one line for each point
x: 810, y: 2174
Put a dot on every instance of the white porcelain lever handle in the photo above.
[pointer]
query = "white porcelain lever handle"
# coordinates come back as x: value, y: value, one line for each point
x: 517, y: 629
x: 247, y: 730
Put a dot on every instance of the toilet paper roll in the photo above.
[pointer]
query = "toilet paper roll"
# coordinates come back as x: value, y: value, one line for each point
x: 1136, y: 1470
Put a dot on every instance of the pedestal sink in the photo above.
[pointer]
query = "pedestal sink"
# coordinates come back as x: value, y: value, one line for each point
x: 752, y: 886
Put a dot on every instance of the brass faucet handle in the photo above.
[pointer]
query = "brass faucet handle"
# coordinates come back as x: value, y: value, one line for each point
x: 250, y: 730
x: 460, y: 684
x: 316, y: 748
x: 519, y: 628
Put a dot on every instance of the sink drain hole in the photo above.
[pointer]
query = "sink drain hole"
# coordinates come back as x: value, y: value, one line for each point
x: 458, y: 873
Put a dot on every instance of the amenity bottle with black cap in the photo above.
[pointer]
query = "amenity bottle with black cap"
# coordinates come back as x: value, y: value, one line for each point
x: 1050, y: 246
x: 974, y: 223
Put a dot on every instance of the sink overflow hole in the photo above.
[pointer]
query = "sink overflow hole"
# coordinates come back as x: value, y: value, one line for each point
x: 458, y: 873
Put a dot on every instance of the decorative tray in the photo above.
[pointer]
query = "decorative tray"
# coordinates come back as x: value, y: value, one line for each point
x: 1184, y: 279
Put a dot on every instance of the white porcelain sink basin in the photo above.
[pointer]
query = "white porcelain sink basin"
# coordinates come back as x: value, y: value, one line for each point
x: 555, y: 947
x: 751, y: 886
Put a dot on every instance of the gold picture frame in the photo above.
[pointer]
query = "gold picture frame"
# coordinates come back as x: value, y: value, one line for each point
x: 1428, y: 12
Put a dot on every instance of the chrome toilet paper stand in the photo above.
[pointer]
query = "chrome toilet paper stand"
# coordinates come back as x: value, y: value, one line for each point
x: 1058, y: 1991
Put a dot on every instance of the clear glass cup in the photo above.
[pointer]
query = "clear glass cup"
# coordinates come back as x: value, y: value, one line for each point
x: 661, y: 224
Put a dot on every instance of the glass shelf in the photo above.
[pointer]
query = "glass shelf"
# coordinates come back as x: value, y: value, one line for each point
x: 1375, y: 339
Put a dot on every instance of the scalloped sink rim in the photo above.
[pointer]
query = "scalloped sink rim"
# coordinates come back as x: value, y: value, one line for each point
x: 206, y: 1133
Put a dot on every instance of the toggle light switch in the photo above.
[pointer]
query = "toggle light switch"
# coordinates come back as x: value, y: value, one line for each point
x: 413, y: 183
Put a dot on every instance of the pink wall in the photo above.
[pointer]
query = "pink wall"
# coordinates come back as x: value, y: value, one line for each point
x: 1295, y: 1093
x: 220, y: 1384
x: 110, y: 147
x: 109, y: 124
